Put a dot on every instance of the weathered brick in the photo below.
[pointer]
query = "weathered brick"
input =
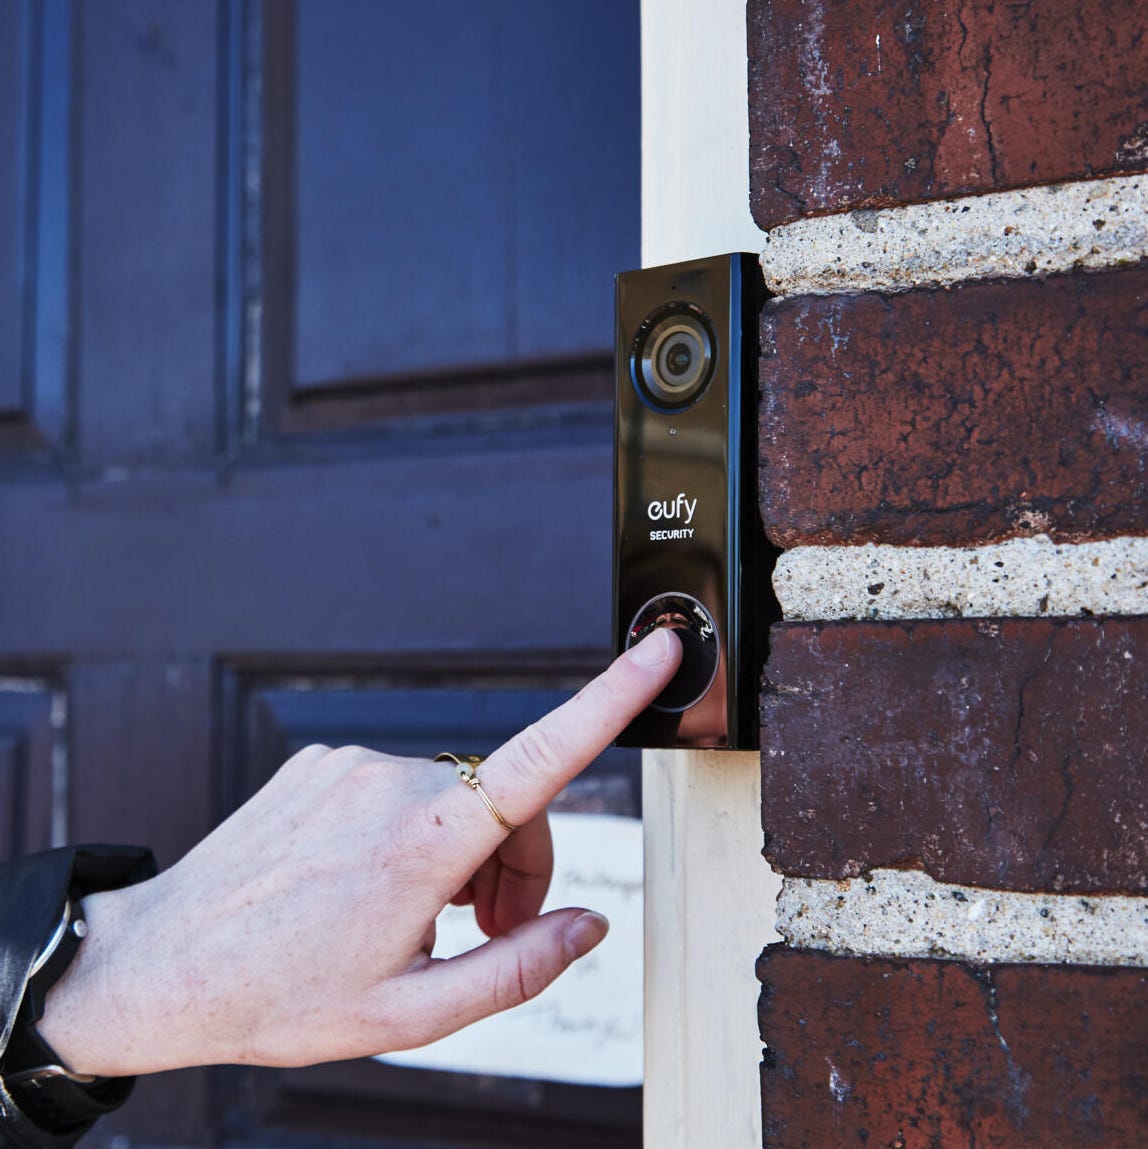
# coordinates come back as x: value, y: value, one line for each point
x: 860, y: 103
x: 957, y: 416
x: 1010, y: 754
x: 937, y: 1055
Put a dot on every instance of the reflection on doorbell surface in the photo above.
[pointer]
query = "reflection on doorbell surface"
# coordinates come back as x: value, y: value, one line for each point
x: 688, y: 542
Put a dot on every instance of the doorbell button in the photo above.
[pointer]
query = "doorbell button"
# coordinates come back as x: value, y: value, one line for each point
x: 697, y: 632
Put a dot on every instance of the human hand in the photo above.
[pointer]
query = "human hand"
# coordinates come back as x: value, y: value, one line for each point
x: 301, y: 929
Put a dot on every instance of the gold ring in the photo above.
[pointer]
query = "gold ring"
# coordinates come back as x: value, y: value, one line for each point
x: 466, y: 767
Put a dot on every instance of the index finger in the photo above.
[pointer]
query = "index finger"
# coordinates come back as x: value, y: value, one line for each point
x: 525, y: 773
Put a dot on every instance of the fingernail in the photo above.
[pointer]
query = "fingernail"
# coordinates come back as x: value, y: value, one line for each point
x: 654, y: 649
x: 584, y: 933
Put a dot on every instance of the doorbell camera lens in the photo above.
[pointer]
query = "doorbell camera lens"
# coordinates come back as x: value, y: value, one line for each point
x: 679, y: 358
x: 673, y: 355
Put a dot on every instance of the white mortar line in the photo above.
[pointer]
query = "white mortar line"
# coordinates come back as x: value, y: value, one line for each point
x: 1031, y: 232
x: 1020, y: 578
x: 906, y: 914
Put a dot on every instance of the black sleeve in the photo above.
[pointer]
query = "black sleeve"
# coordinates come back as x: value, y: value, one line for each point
x: 33, y: 893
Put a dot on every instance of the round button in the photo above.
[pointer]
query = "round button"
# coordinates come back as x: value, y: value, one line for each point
x: 698, y: 634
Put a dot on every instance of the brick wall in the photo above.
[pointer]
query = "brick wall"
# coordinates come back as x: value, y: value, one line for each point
x: 954, y: 451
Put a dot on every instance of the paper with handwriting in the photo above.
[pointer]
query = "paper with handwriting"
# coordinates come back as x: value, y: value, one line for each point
x: 587, y: 1026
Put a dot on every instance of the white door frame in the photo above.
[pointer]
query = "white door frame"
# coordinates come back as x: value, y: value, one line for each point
x: 709, y: 895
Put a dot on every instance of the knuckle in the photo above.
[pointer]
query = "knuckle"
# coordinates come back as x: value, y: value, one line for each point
x: 604, y: 698
x: 612, y: 690
x: 519, y: 981
x: 419, y: 851
x: 537, y: 751
x: 356, y: 769
x: 303, y: 761
x: 350, y: 755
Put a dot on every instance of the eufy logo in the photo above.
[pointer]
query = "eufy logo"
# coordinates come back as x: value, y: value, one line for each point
x: 679, y: 510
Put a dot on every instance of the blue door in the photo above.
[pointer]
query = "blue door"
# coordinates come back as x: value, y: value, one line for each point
x: 305, y: 375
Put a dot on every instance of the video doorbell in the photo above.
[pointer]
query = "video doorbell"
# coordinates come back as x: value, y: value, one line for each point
x: 688, y: 542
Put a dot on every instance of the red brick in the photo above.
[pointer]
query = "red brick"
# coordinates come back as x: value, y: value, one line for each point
x: 954, y: 99
x: 936, y: 1055
x: 1008, y: 754
x: 958, y: 415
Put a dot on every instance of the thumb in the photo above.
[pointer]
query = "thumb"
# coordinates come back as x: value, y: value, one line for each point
x: 504, y: 972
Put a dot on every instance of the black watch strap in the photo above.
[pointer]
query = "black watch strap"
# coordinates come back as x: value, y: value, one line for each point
x: 41, y: 927
x: 56, y: 1099
x: 37, y: 1080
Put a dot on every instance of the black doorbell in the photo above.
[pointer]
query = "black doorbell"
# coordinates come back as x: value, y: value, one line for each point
x: 688, y: 543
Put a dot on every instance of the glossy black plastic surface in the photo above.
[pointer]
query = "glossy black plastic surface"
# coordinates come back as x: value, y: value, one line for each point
x: 685, y: 488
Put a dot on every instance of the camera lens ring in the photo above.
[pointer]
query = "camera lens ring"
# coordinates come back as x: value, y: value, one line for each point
x: 701, y: 646
x: 673, y: 355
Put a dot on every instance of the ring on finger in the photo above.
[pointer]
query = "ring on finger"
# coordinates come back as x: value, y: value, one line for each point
x: 466, y: 767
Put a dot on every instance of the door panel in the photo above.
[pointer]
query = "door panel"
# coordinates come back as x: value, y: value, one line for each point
x: 491, y: 545
x: 141, y: 753
x: 15, y: 119
x: 146, y: 102
x: 33, y: 759
x: 33, y: 138
x: 441, y: 219
x: 442, y: 190
x: 396, y: 1108
x: 305, y: 435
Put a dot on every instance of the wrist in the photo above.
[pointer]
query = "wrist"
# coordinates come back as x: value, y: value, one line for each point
x: 42, y: 931
x: 100, y: 1017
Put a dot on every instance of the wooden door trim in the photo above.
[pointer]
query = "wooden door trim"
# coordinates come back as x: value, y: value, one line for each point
x: 709, y: 895
x: 40, y: 432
